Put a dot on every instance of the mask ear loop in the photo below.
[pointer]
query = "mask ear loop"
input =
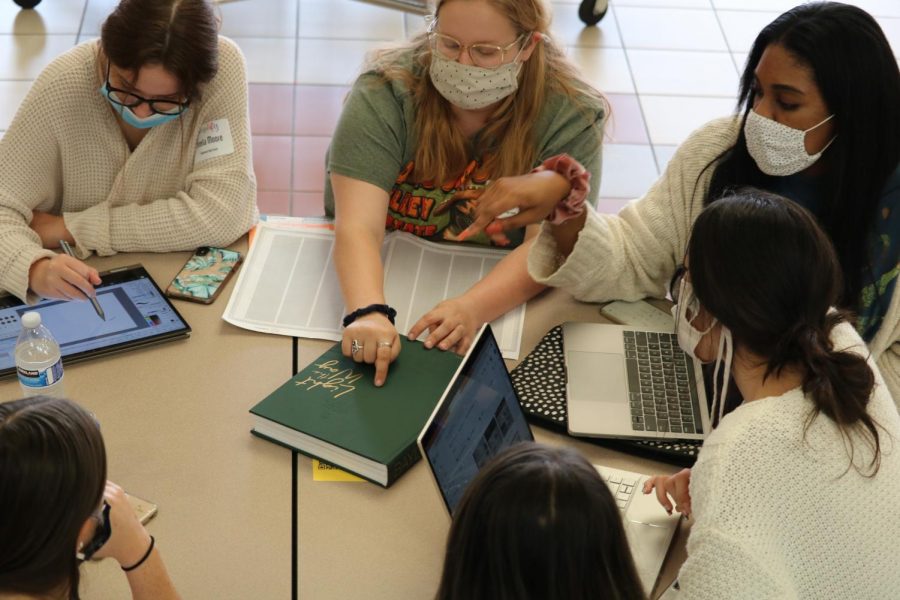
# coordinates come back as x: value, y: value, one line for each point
x: 724, y: 354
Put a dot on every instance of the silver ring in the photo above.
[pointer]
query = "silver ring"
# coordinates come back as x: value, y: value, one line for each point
x: 385, y: 344
x: 355, y: 346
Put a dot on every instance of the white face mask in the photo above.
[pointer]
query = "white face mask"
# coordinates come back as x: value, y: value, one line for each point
x: 470, y: 87
x: 779, y: 150
x: 689, y: 338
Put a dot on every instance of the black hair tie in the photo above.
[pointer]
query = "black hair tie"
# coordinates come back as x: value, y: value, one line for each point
x: 384, y: 309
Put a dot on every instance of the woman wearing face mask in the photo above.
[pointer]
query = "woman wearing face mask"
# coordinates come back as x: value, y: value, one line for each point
x: 483, y: 94
x: 136, y: 142
x: 794, y: 493
x: 58, y: 509
x: 820, y: 125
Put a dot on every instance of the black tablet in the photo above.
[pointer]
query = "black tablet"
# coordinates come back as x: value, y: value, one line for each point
x: 137, y: 314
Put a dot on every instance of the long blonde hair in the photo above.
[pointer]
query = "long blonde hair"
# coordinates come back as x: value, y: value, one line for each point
x: 509, y: 139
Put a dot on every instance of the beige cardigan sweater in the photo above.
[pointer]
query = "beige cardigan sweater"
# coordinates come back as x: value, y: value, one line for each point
x: 632, y: 255
x: 64, y: 153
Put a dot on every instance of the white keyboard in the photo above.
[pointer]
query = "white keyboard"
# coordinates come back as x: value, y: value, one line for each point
x: 623, y: 487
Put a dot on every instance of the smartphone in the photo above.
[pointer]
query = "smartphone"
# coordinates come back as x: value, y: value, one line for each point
x: 204, y: 274
x: 144, y: 509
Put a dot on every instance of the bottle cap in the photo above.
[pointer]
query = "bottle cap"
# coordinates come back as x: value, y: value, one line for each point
x: 31, y: 319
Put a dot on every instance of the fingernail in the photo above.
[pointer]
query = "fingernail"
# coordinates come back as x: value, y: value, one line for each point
x: 465, y: 233
x: 378, y: 382
x: 443, y: 346
x: 494, y: 227
x: 428, y: 344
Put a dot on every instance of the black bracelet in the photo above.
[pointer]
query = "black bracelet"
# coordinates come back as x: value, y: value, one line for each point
x: 143, y: 558
x: 384, y: 309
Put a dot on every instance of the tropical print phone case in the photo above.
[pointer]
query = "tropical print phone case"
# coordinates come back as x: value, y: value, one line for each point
x: 204, y: 275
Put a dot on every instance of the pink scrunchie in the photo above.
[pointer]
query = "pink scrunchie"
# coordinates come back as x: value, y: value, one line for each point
x: 572, y: 205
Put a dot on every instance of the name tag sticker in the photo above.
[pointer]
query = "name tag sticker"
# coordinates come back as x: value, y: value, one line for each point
x: 214, y: 140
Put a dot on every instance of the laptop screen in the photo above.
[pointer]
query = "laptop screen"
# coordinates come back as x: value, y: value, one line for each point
x: 478, y: 417
x: 136, y: 311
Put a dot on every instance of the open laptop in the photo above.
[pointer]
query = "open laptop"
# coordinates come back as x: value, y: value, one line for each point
x: 137, y: 315
x: 479, y: 416
x: 632, y: 382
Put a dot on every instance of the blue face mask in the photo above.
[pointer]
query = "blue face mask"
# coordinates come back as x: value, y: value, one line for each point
x: 132, y: 119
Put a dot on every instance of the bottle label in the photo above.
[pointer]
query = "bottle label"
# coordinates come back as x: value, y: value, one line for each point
x: 43, y: 378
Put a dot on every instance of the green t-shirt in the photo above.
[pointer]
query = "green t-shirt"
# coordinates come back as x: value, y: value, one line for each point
x: 375, y: 142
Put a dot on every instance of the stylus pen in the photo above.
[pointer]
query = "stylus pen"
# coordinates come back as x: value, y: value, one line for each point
x: 68, y: 250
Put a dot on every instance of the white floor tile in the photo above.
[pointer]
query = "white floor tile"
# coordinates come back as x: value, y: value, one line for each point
x: 891, y: 28
x: 346, y: 19
x: 663, y: 155
x: 415, y: 24
x: 879, y: 8
x: 331, y: 62
x: 24, y: 56
x: 670, y: 29
x: 666, y: 3
x: 56, y: 16
x: 778, y: 6
x: 628, y: 170
x: 11, y: 95
x: 568, y: 30
x: 740, y: 61
x: 611, y: 205
x: 606, y: 69
x: 269, y: 60
x: 683, y: 73
x: 96, y: 13
x: 670, y: 119
x: 742, y: 27
x: 259, y: 18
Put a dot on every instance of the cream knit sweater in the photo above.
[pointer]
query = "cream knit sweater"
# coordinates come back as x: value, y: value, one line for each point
x: 633, y: 254
x: 64, y: 153
x: 779, y: 515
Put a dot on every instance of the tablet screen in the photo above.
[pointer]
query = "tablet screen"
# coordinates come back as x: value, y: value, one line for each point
x: 137, y: 314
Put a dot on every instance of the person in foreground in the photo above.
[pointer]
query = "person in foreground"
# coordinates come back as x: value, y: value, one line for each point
x: 57, y: 507
x: 136, y: 142
x: 484, y: 93
x: 538, y: 522
x: 794, y: 493
x: 819, y: 124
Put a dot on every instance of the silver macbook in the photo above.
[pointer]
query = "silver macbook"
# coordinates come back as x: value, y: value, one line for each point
x: 479, y: 416
x: 632, y: 382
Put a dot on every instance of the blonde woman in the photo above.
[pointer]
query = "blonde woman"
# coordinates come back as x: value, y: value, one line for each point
x: 483, y: 94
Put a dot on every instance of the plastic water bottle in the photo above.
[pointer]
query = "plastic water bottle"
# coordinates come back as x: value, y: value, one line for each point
x: 38, y: 359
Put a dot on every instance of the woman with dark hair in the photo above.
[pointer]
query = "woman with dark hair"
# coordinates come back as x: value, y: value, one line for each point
x: 137, y: 142
x: 58, y: 509
x: 820, y: 124
x: 794, y: 492
x: 538, y: 522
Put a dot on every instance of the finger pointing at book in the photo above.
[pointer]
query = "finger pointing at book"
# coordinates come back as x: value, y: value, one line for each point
x: 372, y: 339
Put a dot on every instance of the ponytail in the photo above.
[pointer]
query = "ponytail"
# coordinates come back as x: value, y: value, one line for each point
x: 840, y: 383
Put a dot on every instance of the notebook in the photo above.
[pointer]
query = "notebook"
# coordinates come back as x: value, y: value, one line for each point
x: 629, y: 382
x: 137, y: 315
x: 332, y: 411
x: 479, y: 416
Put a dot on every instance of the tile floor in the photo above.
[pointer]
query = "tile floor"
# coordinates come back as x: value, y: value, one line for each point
x: 667, y: 66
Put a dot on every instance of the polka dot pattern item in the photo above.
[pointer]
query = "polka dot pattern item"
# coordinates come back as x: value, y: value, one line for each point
x: 470, y: 87
x: 540, y: 382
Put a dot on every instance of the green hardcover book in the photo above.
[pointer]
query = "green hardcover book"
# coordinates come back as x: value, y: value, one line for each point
x: 331, y: 410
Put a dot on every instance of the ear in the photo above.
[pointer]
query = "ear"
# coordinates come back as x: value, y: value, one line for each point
x: 535, y: 39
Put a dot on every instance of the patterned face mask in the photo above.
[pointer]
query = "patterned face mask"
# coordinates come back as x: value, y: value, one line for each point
x: 779, y: 150
x: 470, y: 87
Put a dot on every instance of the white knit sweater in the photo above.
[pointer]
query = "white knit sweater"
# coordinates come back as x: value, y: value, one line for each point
x: 64, y: 153
x: 779, y: 515
x: 633, y: 254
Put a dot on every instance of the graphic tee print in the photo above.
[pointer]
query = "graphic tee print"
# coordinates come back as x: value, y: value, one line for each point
x: 432, y: 211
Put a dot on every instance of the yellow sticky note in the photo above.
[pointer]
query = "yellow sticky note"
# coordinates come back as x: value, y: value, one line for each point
x: 325, y: 472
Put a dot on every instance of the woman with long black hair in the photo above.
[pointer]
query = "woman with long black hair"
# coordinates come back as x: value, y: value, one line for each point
x: 819, y: 124
x: 794, y: 493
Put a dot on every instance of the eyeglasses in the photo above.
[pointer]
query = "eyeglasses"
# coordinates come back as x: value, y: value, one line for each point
x: 131, y: 100
x: 675, y: 283
x: 486, y: 56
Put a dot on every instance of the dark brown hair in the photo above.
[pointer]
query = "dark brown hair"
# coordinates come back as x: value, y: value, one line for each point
x: 179, y: 35
x: 52, y: 476
x: 538, y: 522
x: 764, y: 268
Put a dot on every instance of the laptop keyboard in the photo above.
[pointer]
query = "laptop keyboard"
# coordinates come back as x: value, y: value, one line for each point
x: 622, y: 488
x: 662, y: 390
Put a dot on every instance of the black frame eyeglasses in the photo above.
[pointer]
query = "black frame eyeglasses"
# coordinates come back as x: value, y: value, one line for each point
x: 675, y: 283
x: 131, y: 100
